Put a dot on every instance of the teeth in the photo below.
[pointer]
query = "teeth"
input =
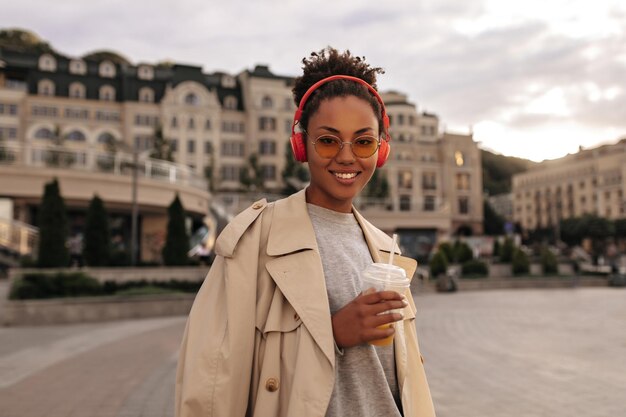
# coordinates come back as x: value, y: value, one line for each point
x: 345, y: 176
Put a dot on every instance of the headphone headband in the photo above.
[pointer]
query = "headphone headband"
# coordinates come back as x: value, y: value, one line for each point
x: 298, y: 115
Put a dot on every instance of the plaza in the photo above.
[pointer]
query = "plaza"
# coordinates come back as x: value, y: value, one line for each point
x: 512, y: 353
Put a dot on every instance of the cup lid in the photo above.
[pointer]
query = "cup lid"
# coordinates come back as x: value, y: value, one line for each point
x: 385, y: 272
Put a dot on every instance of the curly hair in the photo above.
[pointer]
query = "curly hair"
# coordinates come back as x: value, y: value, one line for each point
x: 327, y: 62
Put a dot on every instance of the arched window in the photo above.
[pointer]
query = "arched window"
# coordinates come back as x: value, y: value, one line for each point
x: 106, y: 69
x: 191, y: 99
x: 107, y: 93
x: 145, y: 72
x: 267, y: 103
x: 106, y: 138
x: 47, y: 62
x: 44, y: 133
x: 77, y: 90
x: 78, y: 66
x: 45, y: 88
x: 146, y: 95
x: 76, y: 136
x: 230, y: 102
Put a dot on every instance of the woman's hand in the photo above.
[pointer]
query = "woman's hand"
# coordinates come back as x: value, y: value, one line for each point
x: 358, y: 321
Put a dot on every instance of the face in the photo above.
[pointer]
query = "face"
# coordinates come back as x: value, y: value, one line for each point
x: 336, y: 181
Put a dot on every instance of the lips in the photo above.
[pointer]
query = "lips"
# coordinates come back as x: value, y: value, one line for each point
x: 345, y: 175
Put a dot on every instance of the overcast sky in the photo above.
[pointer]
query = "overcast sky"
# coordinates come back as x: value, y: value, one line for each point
x: 532, y: 78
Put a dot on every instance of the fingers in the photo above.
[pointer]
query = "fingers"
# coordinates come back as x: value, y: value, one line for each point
x: 383, y: 319
x: 371, y: 296
x: 384, y: 306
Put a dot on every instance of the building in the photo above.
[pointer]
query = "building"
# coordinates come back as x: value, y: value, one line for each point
x: 96, y: 109
x: 590, y: 181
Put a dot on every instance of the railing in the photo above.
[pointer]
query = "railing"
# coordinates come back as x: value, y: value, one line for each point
x: 119, y: 163
x: 17, y: 237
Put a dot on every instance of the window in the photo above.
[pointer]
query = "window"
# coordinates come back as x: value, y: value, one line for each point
x: 191, y: 146
x: 107, y: 116
x: 7, y: 132
x: 429, y: 181
x: 400, y: 119
x: 174, y: 122
x: 288, y: 125
x: 78, y: 66
x: 145, y: 72
x: 174, y: 145
x: 405, y: 203
x: 146, y: 120
x: 268, y: 172
x: 288, y: 103
x: 208, y: 148
x: 267, y: 147
x: 146, y: 95
x: 10, y: 109
x: 267, y: 124
x: 191, y: 99
x: 267, y: 103
x: 47, y: 63
x: 191, y: 125
x: 106, y: 138
x: 231, y: 148
x: 44, y: 111
x: 459, y: 160
x: 411, y: 121
x: 107, y: 93
x: 72, y: 113
x: 462, y: 181
x: 77, y: 90
x: 76, y: 136
x: 207, y: 124
x: 429, y: 203
x: 229, y: 173
x: 45, y: 88
x: 230, y: 103
x: 106, y: 69
x: 228, y: 81
x: 44, y: 133
x: 463, y: 205
x: 405, y: 179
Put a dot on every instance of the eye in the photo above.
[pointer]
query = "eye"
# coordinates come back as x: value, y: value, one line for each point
x: 327, y: 140
x: 364, y: 141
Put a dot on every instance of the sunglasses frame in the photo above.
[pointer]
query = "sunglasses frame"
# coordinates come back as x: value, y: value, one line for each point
x: 342, y: 143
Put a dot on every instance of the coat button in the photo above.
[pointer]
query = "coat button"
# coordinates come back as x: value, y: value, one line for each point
x: 272, y: 384
x: 257, y: 206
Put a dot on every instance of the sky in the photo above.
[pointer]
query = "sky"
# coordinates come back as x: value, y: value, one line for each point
x: 535, y: 79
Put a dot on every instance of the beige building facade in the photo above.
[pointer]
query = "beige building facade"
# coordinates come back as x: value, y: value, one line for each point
x: 591, y: 181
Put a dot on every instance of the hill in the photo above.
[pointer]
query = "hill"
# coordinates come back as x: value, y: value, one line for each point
x: 498, y: 171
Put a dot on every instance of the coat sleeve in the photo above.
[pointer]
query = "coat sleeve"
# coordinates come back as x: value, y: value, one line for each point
x: 215, y: 362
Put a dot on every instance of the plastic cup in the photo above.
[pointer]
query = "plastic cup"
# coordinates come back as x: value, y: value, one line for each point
x: 385, y: 277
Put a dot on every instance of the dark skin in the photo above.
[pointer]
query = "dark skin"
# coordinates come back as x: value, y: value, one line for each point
x: 356, y: 322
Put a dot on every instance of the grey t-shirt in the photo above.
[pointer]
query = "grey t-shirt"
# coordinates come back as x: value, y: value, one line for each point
x: 365, y: 380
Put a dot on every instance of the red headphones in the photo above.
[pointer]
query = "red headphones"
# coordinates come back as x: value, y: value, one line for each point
x: 298, y: 145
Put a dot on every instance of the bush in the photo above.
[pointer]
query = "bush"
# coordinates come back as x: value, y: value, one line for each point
x: 496, y: 248
x: 507, y: 251
x: 41, y: 286
x: 549, y: 262
x: 53, y: 228
x: 177, y: 242
x: 475, y: 267
x: 463, y: 252
x: 448, y: 251
x: 521, y: 263
x: 438, y: 264
x: 617, y: 280
x: 97, y: 240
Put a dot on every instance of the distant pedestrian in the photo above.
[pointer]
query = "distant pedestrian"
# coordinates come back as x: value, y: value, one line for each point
x: 75, y: 246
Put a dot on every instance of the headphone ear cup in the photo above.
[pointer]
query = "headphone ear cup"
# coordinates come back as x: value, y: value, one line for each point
x: 298, y: 147
x: 383, y: 153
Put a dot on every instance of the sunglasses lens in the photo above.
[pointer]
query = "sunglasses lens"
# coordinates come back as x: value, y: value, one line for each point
x: 364, y: 146
x: 327, y: 146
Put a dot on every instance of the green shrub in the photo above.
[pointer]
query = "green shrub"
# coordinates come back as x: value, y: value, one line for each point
x: 521, y: 263
x: 463, y: 252
x: 97, y: 240
x: 53, y: 228
x: 438, y: 264
x: 41, y: 286
x: 176, y: 242
x: 496, y: 248
x: 475, y: 267
x: 548, y: 262
x: 507, y: 251
x: 448, y: 250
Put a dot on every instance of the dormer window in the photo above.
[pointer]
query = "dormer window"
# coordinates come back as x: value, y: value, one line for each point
x: 107, y: 93
x: 146, y: 95
x: 106, y: 69
x: 145, y: 72
x: 45, y: 88
x: 77, y: 90
x: 78, y: 66
x: 228, y: 81
x: 191, y: 99
x: 267, y: 103
x: 47, y: 62
x: 230, y: 103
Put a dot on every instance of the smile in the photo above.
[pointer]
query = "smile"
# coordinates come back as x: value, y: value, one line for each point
x: 345, y: 175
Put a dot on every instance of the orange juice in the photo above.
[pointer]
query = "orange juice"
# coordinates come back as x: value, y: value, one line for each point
x: 383, y: 342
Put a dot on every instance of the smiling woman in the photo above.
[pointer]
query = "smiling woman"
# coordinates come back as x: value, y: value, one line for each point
x: 280, y: 326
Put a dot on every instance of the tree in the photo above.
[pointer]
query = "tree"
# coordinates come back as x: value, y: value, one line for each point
x: 97, y: 239
x: 177, y: 241
x: 496, y: 248
x: 493, y: 223
x: 162, y: 147
x: 520, y: 262
x: 438, y: 264
x: 251, y: 176
x: 53, y: 228
x: 294, y: 174
x: 549, y: 262
x: 507, y: 250
x: 378, y: 186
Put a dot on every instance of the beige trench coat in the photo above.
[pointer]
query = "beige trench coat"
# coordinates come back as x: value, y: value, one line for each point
x: 259, y: 338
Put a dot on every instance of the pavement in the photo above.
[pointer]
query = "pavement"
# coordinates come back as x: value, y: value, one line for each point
x: 509, y: 353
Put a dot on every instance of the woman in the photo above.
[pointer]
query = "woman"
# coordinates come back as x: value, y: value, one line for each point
x: 280, y: 326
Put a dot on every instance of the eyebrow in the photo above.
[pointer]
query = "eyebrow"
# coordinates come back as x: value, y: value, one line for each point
x: 358, y: 132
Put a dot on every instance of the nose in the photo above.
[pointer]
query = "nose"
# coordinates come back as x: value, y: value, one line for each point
x: 345, y: 154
